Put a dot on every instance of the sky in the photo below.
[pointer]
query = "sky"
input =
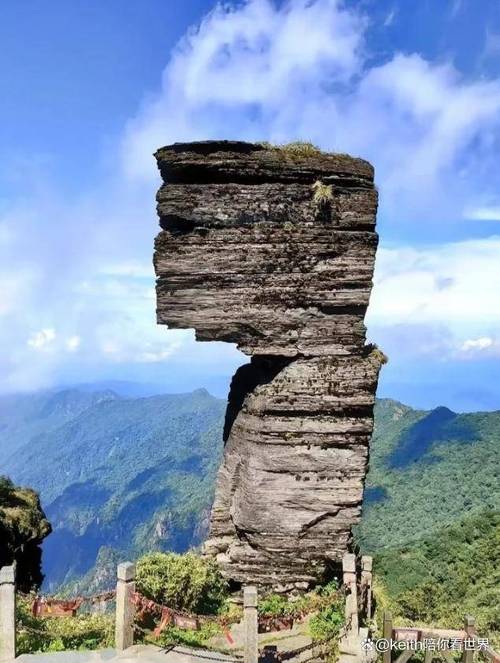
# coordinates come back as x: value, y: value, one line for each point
x: 89, y: 90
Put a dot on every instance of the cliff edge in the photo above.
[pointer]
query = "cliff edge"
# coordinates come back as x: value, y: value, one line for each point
x: 23, y: 527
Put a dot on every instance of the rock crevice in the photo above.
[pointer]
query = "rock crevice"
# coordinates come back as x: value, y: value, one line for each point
x: 249, y: 254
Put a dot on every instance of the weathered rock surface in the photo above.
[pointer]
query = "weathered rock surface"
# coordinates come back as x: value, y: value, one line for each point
x: 23, y: 527
x: 249, y: 254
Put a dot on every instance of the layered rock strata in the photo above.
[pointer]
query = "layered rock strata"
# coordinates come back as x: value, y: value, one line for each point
x: 273, y: 249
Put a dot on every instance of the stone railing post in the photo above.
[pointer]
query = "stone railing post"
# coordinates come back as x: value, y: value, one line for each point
x: 250, y: 619
x: 366, y: 584
x: 125, y: 587
x: 387, y: 635
x: 470, y: 629
x: 7, y: 613
x: 351, y: 600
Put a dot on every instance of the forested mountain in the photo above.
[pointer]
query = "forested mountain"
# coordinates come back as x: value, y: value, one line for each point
x: 123, y: 475
x: 25, y: 416
x: 451, y: 572
x: 432, y: 515
x: 427, y: 470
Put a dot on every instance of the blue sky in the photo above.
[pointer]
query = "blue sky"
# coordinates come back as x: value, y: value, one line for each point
x: 90, y: 88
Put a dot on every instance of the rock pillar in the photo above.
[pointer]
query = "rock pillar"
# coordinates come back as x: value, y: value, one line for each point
x: 273, y: 249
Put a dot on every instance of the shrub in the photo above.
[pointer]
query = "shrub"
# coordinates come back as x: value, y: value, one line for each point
x: 325, y: 623
x: 378, y: 356
x: 183, y: 582
x: 6, y: 489
x: 173, y: 635
x: 328, y: 622
x: 274, y: 605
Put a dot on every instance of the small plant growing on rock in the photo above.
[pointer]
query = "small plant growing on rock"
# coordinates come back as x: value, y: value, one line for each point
x: 378, y: 356
x: 323, y: 194
x: 298, y: 148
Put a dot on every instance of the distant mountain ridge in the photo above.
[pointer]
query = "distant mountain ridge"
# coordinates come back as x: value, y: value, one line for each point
x: 129, y: 474
x: 24, y: 416
x: 428, y: 469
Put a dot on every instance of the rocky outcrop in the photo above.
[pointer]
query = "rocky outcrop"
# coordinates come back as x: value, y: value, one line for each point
x: 273, y: 249
x: 23, y: 526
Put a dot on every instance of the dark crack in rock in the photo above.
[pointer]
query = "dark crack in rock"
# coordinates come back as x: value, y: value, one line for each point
x: 251, y: 253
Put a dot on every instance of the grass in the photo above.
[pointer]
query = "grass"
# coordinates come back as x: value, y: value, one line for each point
x: 298, y: 148
x: 377, y: 355
x: 323, y: 194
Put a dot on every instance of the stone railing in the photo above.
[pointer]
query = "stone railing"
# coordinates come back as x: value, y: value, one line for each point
x: 124, y: 614
x: 398, y: 644
x: 435, y: 642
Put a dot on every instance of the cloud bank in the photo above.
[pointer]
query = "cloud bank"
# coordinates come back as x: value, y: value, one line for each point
x: 440, y: 301
x: 76, y: 281
x: 303, y: 70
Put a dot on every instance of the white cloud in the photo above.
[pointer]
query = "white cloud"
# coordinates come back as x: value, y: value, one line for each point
x: 479, y: 348
x: 133, y: 269
x: 13, y: 290
x: 482, y: 343
x: 457, y: 284
x: 483, y: 213
x: 73, y: 343
x: 42, y: 339
x: 440, y: 300
x: 389, y: 19
x: 261, y: 71
x: 255, y: 55
x: 302, y: 70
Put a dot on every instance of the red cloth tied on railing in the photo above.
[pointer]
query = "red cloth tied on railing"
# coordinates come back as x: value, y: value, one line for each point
x: 55, y: 607
x: 166, y: 619
x: 167, y: 615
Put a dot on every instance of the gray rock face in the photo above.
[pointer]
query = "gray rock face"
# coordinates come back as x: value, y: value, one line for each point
x: 274, y: 250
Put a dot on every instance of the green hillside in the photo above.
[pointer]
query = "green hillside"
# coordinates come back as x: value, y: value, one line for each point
x: 427, y: 470
x: 129, y: 475
x: 432, y: 515
x: 24, y: 416
x: 446, y: 575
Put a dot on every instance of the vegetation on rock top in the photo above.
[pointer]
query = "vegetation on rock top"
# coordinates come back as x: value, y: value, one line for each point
x: 23, y: 526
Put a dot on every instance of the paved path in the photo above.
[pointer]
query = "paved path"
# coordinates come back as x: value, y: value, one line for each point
x: 135, y: 654
x: 285, y: 640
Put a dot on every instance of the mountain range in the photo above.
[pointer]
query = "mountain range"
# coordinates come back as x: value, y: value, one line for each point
x: 119, y: 475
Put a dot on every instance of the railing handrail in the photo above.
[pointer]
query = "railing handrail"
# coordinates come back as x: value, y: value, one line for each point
x: 469, y: 632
